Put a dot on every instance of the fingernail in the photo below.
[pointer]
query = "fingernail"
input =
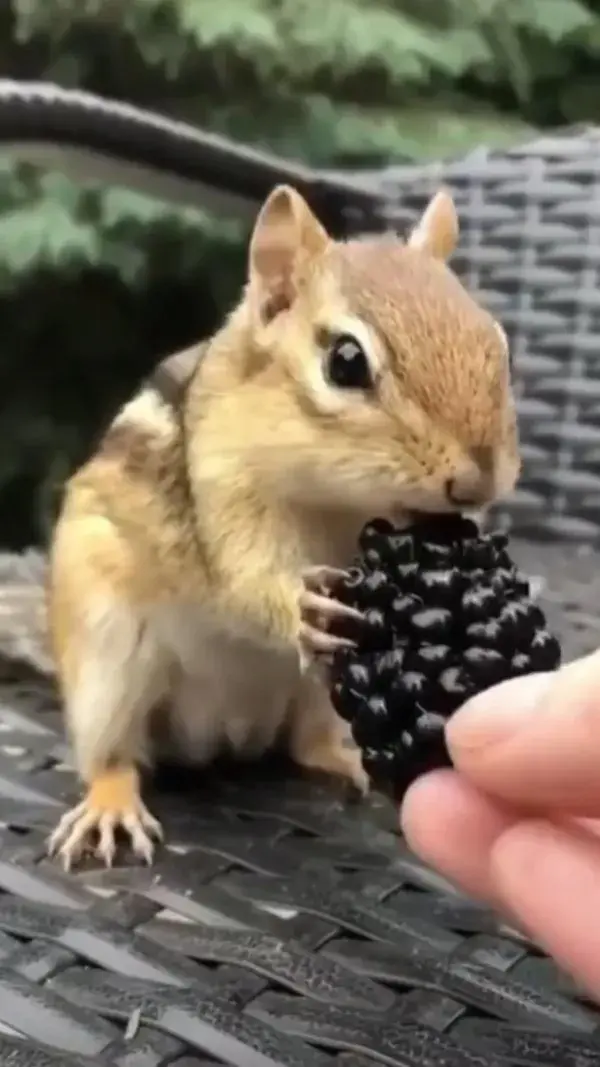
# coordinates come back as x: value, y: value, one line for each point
x: 499, y: 712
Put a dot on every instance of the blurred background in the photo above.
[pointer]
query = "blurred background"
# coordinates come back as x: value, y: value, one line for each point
x: 97, y: 284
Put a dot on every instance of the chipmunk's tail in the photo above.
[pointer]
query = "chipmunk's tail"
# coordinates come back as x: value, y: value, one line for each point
x: 23, y: 621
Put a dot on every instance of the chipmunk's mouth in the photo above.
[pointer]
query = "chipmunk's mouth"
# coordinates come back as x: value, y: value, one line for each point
x: 476, y: 515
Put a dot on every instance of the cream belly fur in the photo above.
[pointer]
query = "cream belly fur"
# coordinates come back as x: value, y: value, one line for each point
x: 224, y: 689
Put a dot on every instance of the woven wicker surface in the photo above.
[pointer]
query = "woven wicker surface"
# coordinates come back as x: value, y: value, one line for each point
x: 530, y: 246
x: 285, y: 925
x: 570, y: 595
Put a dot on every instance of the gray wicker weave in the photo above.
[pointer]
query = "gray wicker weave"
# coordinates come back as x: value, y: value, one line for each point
x: 530, y: 246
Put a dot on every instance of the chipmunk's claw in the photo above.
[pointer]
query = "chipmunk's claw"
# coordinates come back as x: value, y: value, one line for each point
x: 327, y: 606
x: 317, y: 609
x: 76, y: 830
x: 322, y: 578
x: 320, y: 642
x: 112, y: 803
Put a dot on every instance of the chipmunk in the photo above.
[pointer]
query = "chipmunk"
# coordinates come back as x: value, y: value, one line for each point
x: 192, y: 554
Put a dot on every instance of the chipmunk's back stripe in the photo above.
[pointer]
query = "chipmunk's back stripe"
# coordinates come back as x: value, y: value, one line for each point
x: 127, y: 439
x: 173, y: 375
x: 151, y: 420
x: 154, y: 413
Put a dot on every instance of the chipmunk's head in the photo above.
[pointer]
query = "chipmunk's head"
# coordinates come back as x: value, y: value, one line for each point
x: 397, y: 382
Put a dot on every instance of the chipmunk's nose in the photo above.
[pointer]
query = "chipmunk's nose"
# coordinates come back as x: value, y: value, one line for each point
x: 473, y: 485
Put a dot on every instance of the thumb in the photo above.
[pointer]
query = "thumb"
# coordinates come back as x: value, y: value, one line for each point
x: 535, y: 741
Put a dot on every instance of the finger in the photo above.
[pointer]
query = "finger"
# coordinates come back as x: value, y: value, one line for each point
x: 453, y: 827
x: 592, y: 826
x: 535, y: 741
x: 550, y: 879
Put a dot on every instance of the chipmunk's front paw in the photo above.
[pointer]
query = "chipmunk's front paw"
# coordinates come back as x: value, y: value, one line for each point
x: 113, y: 803
x: 317, y: 610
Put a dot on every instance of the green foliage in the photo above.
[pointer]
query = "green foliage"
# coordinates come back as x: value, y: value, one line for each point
x: 96, y: 284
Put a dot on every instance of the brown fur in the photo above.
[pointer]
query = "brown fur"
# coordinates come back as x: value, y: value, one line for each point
x: 176, y: 567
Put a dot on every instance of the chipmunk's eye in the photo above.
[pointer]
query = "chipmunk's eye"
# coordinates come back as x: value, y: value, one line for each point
x: 347, y: 364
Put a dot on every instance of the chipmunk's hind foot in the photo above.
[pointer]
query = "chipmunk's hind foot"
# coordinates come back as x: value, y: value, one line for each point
x: 112, y: 803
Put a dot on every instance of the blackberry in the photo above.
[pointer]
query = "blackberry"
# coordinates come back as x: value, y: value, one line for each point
x: 447, y: 614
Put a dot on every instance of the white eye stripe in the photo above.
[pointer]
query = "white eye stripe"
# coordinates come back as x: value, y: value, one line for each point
x: 328, y: 397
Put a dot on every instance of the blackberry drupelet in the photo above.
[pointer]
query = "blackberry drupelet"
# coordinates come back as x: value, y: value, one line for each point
x: 446, y: 615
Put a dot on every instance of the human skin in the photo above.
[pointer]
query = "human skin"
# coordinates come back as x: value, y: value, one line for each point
x: 516, y: 822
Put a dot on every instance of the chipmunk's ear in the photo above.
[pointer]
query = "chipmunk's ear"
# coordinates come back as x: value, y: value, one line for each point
x: 437, y: 230
x: 286, y: 234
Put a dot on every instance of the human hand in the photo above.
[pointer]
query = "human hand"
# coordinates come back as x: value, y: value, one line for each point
x: 517, y: 821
